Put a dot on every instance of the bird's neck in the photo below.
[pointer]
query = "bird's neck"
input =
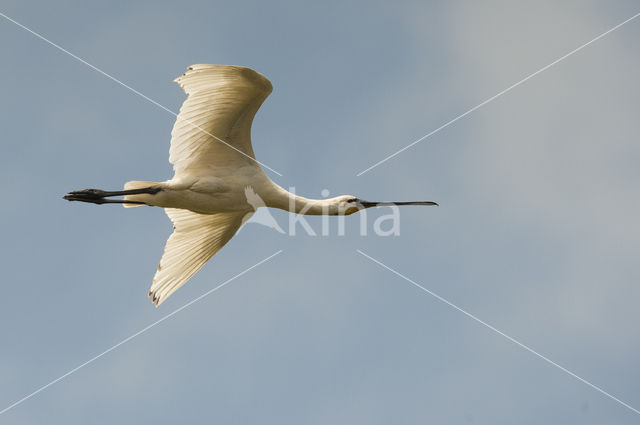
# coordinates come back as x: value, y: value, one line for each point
x: 285, y: 200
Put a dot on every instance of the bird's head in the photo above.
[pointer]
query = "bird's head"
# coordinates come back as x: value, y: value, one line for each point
x: 346, y: 205
x: 349, y: 204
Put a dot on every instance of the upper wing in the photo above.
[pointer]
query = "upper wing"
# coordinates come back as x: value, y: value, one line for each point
x: 195, y: 239
x: 213, y: 127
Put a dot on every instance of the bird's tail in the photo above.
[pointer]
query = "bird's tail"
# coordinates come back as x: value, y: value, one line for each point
x: 134, y: 184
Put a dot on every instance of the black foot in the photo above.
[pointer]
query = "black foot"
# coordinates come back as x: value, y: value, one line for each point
x: 94, y: 196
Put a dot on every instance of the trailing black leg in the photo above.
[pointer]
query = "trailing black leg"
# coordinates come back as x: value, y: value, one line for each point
x: 97, y: 196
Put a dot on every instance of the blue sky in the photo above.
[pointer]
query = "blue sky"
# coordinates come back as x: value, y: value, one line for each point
x: 536, y: 234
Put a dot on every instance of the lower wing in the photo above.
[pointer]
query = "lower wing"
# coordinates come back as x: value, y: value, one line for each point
x: 195, y: 239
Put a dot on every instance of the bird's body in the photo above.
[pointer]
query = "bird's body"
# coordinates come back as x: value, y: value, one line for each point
x: 217, y: 180
x: 207, y: 194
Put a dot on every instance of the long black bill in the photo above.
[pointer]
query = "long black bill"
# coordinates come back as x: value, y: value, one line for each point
x: 369, y: 204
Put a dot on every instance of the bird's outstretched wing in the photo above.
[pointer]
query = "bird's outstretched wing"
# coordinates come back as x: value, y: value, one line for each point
x: 213, y: 127
x: 195, y: 239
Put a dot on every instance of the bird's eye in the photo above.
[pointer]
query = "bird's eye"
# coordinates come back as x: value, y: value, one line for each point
x: 352, y: 200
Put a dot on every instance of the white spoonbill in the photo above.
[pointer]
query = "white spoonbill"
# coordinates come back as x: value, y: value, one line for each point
x: 214, y: 164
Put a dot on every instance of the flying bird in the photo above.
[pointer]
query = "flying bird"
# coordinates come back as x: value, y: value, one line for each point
x: 213, y: 164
